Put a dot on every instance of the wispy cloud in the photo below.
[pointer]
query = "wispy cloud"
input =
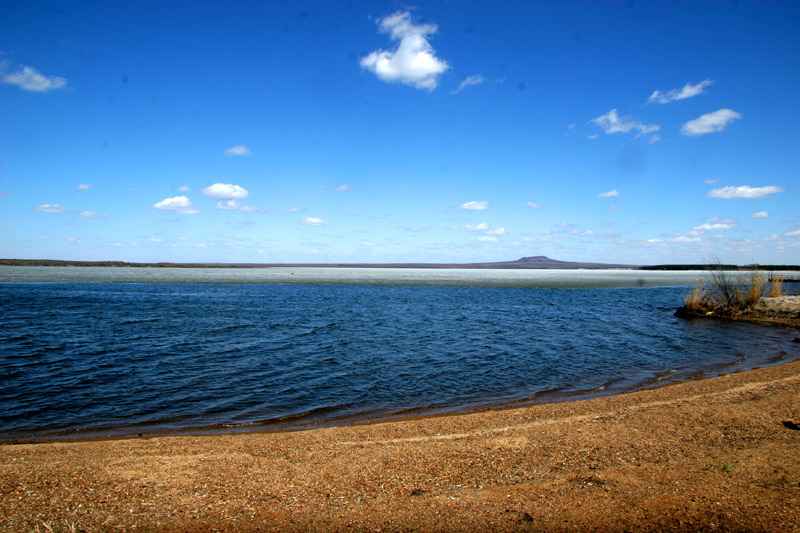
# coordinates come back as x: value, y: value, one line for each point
x: 743, y: 191
x: 84, y: 187
x: 534, y: 205
x: 612, y: 123
x: 609, y: 194
x: 344, y: 187
x: 238, y: 150
x: 713, y: 122
x: 313, y: 221
x: 178, y: 204
x: 793, y: 233
x: 761, y: 214
x: 475, y: 205
x: 30, y: 79
x: 413, y: 62
x: 88, y: 214
x: 483, y: 226
x: 496, y: 232
x: 184, y: 188
x: 50, y: 208
x: 469, y: 81
x: 715, y: 225
x: 673, y: 95
x: 711, y: 181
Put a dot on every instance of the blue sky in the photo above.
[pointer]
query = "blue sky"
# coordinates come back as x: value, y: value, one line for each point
x: 643, y: 132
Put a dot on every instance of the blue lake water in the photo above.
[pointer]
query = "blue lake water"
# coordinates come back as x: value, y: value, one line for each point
x: 86, y: 358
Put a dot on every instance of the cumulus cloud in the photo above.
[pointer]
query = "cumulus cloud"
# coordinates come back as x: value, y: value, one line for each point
x: 761, y: 214
x: 612, y: 123
x: 178, y: 204
x: 743, y: 191
x: 413, y: 62
x: 344, y: 187
x: 84, y: 187
x: 313, y: 221
x: 710, y: 122
x: 237, y: 151
x: 50, y: 208
x: 469, y: 81
x: 534, y: 205
x: 673, y: 95
x: 475, y: 205
x: 226, y: 191
x: 609, y: 194
x: 30, y: 79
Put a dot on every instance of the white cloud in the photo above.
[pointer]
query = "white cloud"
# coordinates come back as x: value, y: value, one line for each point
x: 178, y: 204
x: 497, y: 232
x: 711, y: 181
x: 88, y: 214
x: 710, y: 122
x: 30, y: 79
x: 760, y: 215
x: 184, y: 188
x: 714, y: 225
x: 612, y: 123
x: 475, y: 205
x: 344, y: 187
x: 534, y: 205
x: 84, y: 187
x: 237, y: 151
x: 413, y: 62
x: 794, y: 233
x: 226, y: 191
x: 685, y: 238
x: 654, y: 139
x: 743, y: 191
x: 50, y: 208
x: 483, y: 226
x: 293, y: 209
x: 673, y: 95
x: 487, y: 238
x: 469, y: 81
x: 609, y: 194
x: 228, y: 204
x: 313, y: 221
x: 593, y: 136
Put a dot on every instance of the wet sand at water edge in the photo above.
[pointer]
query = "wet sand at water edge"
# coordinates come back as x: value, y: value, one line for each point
x: 705, y: 454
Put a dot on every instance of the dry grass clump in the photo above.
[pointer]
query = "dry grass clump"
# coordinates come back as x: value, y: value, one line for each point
x: 728, y: 295
x: 755, y: 291
x: 775, y: 286
x: 694, y: 300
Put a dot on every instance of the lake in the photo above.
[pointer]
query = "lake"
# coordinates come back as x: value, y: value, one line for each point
x: 88, y: 352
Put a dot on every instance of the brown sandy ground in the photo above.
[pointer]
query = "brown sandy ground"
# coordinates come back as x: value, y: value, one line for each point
x: 710, y: 454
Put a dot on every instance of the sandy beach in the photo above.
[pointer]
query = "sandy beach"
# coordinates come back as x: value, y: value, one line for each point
x: 705, y: 454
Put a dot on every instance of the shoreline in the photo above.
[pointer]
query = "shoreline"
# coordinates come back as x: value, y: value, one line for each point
x: 303, y: 422
x: 704, y: 453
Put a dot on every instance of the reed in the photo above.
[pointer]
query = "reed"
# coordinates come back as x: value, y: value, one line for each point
x: 775, y: 286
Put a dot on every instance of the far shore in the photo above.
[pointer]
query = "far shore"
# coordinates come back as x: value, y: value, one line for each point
x: 717, y: 453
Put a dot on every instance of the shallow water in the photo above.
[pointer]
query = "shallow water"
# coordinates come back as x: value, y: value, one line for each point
x: 86, y: 358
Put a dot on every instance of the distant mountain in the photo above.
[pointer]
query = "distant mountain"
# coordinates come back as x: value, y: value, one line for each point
x: 530, y: 262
